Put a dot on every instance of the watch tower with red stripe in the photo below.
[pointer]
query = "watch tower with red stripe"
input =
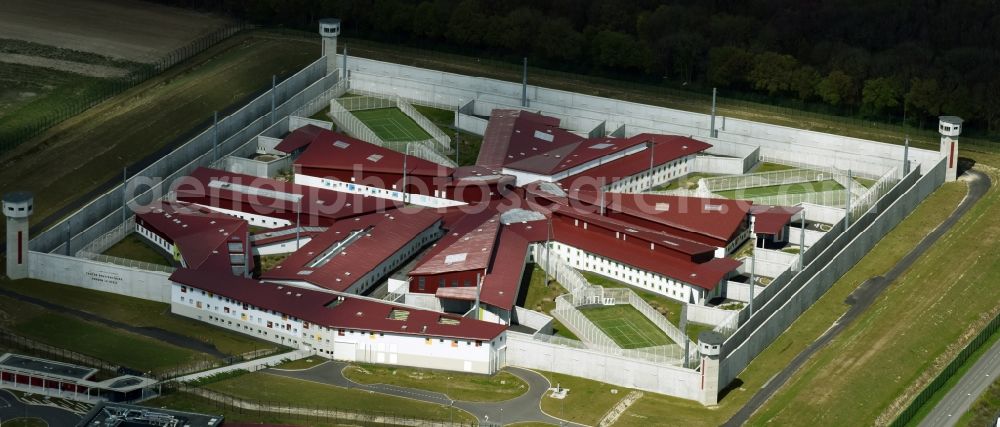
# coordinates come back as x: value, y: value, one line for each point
x: 17, y: 207
x: 950, y: 127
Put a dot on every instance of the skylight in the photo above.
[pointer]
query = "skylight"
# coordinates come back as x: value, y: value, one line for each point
x: 601, y: 146
x: 341, y: 144
x: 544, y: 136
x: 455, y: 258
x: 374, y: 157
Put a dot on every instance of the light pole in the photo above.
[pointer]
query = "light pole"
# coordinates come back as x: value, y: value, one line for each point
x: 406, y: 152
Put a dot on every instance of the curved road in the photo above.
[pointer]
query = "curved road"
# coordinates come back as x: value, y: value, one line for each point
x: 863, y: 297
x: 524, y: 408
x: 11, y: 408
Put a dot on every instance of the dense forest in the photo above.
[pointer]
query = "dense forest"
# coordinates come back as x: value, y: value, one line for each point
x: 869, y: 58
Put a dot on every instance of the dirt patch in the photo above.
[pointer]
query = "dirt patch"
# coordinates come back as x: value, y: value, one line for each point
x: 126, y: 29
x: 81, y: 68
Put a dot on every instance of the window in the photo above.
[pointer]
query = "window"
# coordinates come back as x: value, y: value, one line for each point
x: 184, y: 289
x: 420, y: 283
x: 454, y: 343
x: 479, y: 343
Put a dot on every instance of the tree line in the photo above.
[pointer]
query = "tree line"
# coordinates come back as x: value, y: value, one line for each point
x: 870, y: 58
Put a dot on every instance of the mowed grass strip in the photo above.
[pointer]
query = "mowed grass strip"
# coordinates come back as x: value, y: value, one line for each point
x: 274, y: 389
x: 587, y: 400
x: 89, y: 149
x: 805, y: 329
x: 188, y: 402
x: 775, y: 190
x: 135, y: 247
x: 134, y: 351
x: 542, y: 298
x: 626, y: 326
x: 869, y: 373
x: 135, y: 312
x: 391, y: 124
x: 457, y: 385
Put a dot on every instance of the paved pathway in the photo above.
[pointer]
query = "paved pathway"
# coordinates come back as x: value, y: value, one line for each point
x: 11, y: 408
x: 250, y: 365
x: 961, y: 397
x: 862, y: 298
x: 524, y: 408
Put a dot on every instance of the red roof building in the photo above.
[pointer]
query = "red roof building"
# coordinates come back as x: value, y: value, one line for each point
x: 196, y: 237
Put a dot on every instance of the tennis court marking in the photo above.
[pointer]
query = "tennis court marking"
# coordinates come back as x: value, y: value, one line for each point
x: 622, y: 330
x: 384, y: 124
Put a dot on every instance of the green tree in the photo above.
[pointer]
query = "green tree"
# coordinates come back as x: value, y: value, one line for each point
x: 803, y: 81
x: 926, y: 96
x: 557, y: 40
x: 837, y: 88
x: 773, y: 72
x: 468, y: 24
x: 619, y: 50
x: 728, y: 65
x: 880, y: 94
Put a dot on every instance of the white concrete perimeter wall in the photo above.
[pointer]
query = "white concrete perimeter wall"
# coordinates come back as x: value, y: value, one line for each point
x: 741, y: 291
x: 584, y: 112
x: 472, y: 124
x: 762, y: 267
x: 707, y: 315
x: 794, y: 236
x: 295, y: 122
x: 821, y: 213
x: 526, y: 352
x: 100, y: 276
x: 722, y: 165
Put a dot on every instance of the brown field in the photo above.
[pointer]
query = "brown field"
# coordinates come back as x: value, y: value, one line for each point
x: 124, y: 29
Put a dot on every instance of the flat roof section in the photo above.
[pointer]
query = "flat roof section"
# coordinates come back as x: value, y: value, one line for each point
x: 106, y: 414
x: 45, y: 367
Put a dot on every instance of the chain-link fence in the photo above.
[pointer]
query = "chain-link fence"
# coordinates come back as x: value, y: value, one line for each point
x: 765, y: 179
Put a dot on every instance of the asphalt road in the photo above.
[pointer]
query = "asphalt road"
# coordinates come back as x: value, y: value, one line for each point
x: 11, y: 408
x: 862, y: 298
x: 524, y: 408
x: 966, y: 391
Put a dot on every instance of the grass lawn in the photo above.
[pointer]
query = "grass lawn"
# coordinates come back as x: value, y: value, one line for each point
x: 865, y: 182
x: 469, y: 143
x: 306, y: 363
x: 268, y: 262
x: 323, y: 114
x: 87, y: 150
x: 457, y: 385
x: 192, y: 403
x: 135, y: 312
x: 542, y: 298
x: 626, y: 326
x: 688, y: 182
x: 806, y: 329
x: 948, y: 385
x: 772, y: 167
x: 391, y: 124
x: 774, y: 190
x: 29, y: 94
x: 135, y: 247
x: 112, y: 345
x: 290, y: 391
x: 906, y: 347
x: 25, y: 422
x: 587, y: 400
x: 669, y: 308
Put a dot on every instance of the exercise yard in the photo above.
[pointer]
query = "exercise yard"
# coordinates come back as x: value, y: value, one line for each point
x: 775, y: 190
x: 626, y: 326
x: 391, y: 124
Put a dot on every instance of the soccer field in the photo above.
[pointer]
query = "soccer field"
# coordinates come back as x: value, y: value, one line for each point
x: 774, y: 190
x: 391, y: 124
x: 626, y: 326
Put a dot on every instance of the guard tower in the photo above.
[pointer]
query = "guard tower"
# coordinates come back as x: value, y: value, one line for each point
x: 329, y: 28
x: 950, y: 127
x: 17, y: 207
x: 710, y: 347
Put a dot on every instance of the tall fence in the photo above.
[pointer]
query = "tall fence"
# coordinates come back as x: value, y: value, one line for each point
x: 949, y: 371
x: 767, y: 179
x: 107, y: 88
x: 797, y: 291
x: 255, y: 118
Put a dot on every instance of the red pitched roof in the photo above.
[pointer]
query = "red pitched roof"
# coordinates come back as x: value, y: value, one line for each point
x: 466, y: 247
x: 512, y: 135
x: 299, y: 138
x: 336, y: 151
x: 772, y: 219
x: 201, y: 236
x: 502, y: 282
x: 275, y: 198
x: 337, y: 311
x: 376, y: 237
x: 667, y: 149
